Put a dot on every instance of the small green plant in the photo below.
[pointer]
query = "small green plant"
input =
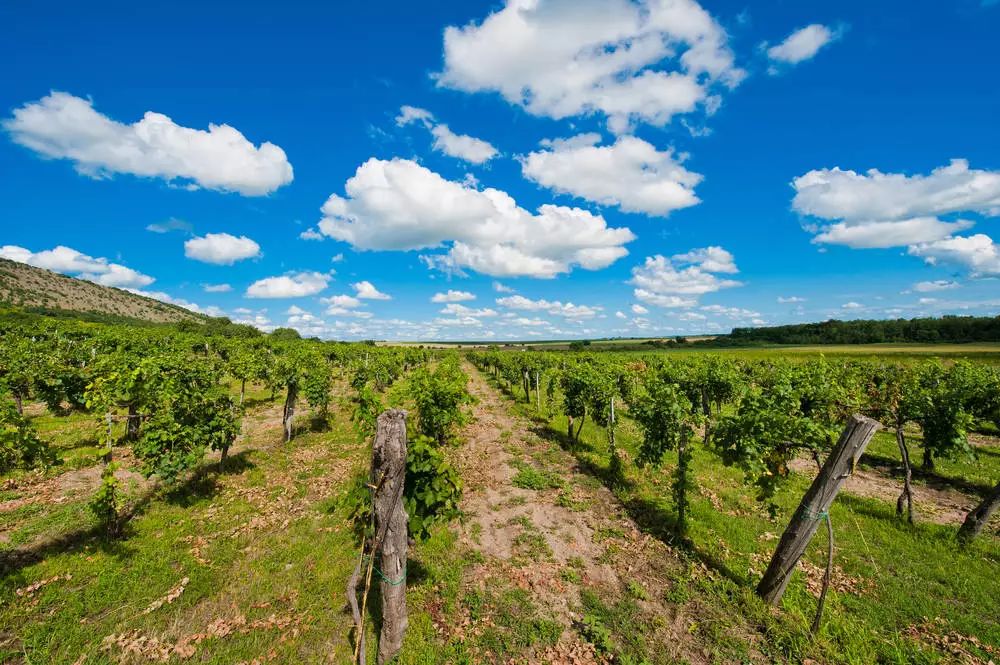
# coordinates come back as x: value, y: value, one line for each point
x: 108, y: 502
x: 636, y: 590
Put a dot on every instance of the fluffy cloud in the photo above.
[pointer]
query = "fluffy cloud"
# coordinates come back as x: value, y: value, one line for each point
x: 453, y: 296
x: 221, y: 248
x: 630, y: 173
x: 626, y: 60
x: 294, y: 285
x: 71, y: 262
x: 876, y: 209
x: 400, y: 205
x: 679, y: 280
x: 936, y: 285
x: 343, y: 301
x: 460, y: 146
x: 802, y: 44
x: 461, y: 310
x: 62, y: 126
x: 977, y: 252
x: 554, y: 307
x: 875, y: 235
x: 216, y: 288
x: 367, y: 291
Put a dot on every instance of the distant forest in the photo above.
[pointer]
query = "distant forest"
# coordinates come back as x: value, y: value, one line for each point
x: 953, y: 329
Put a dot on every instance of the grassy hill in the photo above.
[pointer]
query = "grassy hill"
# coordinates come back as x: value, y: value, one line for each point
x: 37, y: 289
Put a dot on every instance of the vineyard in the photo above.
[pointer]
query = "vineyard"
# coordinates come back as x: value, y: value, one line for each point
x: 196, y: 494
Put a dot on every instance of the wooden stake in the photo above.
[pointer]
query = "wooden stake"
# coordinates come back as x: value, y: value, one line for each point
x: 389, y: 463
x: 814, y: 506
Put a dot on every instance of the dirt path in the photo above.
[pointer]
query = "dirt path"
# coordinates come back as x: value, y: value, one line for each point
x: 568, y: 534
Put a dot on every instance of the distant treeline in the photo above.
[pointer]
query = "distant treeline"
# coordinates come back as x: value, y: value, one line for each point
x: 946, y: 329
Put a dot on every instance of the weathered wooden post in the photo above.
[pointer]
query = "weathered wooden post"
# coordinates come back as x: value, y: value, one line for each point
x: 288, y: 412
x: 979, y: 516
x: 388, y: 474
x: 814, y: 506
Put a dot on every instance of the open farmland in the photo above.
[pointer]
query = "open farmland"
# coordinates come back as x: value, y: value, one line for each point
x: 192, y: 497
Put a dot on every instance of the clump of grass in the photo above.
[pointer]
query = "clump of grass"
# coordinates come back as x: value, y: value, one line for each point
x: 530, y: 478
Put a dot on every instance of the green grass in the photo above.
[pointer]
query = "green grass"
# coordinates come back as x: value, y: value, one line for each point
x: 903, y: 575
x: 531, y: 478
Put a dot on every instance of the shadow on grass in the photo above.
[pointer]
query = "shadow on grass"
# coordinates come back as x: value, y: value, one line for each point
x: 203, y: 483
x: 318, y: 423
x: 649, y: 516
x: 13, y: 561
x: 892, y: 467
x: 199, y: 485
x: 254, y: 402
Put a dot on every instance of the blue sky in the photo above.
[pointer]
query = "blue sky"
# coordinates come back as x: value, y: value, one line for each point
x: 531, y: 169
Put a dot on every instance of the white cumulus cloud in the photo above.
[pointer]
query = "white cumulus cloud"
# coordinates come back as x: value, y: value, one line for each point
x: 62, y: 126
x: 293, y: 285
x: 69, y: 261
x: 977, y: 252
x: 367, y: 291
x: 554, y: 307
x: 221, y: 248
x: 630, y: 173
x: 626, y: 60
x: 679, y: 280
x: 401, y: 205
x: 803, y: 44
x: 460, y: 146
x: 877, y: 209
x: 453, y: 296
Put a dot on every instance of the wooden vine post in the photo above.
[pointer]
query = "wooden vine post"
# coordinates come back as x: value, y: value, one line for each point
x: 814, y: 506
x: 389, y: 472
x: 389, y: 542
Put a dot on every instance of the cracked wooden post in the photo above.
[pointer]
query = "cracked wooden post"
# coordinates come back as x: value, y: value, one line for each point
x: 388, y: 474
x: 814, y: 505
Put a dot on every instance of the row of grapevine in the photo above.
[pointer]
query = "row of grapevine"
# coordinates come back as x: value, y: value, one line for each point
x: 760, y: 414
x: 166, y: 393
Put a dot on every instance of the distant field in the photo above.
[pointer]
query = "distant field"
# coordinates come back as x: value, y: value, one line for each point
x: 989, y: 352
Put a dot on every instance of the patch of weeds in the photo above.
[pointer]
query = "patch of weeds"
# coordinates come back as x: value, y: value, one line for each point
x: 476, y: 532
x: 567, y: 500
x: 530, y: 478
x: 607, y: 533
x: 636, y: 590
x: 678, y: 593
x: 571, y: 575
x: 531, y: 544
x: 616, y: 630
x: 512, y: 620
